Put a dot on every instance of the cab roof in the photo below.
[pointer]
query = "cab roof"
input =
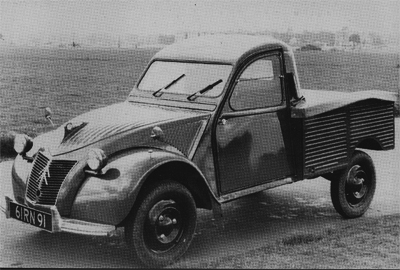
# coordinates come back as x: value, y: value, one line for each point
x: 219, y: 48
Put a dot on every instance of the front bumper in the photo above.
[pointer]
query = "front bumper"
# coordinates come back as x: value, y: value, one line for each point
x: 60, y: 224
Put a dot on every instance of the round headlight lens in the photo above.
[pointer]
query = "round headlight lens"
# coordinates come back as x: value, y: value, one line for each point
x: 22, y: 143
x: 97, y: 159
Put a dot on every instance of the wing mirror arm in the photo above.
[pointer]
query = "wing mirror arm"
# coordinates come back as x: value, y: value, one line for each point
x: 47, y: 114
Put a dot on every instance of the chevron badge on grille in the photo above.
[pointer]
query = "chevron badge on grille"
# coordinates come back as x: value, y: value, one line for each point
x: 45, y: 173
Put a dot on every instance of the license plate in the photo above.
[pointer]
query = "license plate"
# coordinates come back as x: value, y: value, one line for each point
x: 31, y: 216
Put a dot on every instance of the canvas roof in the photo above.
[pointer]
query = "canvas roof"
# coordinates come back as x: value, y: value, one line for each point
x: 218, y: 48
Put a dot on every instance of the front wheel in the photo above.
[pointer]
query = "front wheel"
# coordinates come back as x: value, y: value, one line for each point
x: 353, y: 190
x: 162, y: 227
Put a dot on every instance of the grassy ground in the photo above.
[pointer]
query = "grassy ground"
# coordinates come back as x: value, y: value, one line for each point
x: 73, y: 81
x: 373, y: 243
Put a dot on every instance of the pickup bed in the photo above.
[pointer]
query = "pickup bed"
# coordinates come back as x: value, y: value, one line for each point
x: 330, y: 130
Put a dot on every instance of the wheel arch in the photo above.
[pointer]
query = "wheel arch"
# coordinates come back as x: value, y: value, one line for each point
x: 179, y: 169
x: 370, y: 143
x: 185, y: 174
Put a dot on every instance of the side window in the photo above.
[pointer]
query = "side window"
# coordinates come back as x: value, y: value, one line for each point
x: 259, y: 85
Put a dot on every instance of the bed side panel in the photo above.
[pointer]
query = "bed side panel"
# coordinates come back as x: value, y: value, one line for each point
x: 330, y: 138
x: 325, y: 142
x: 374, y: 120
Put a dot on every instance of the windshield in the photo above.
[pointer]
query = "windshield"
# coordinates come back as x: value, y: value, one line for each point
x: 197, y: 76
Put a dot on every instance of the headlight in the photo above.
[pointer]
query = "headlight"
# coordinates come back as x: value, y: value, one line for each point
x: 22, y: 144
x: 97, y: 159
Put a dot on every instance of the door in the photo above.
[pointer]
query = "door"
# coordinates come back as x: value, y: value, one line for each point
x: 250, y: 135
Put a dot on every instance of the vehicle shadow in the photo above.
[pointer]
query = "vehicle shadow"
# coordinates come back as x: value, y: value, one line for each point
x: 70, y: 250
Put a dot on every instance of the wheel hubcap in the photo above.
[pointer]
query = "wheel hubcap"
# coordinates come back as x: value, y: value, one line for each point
x: 164, y: 227
x: 356, y: 185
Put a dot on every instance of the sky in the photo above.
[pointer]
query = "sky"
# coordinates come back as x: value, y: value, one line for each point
x: 27, y: 19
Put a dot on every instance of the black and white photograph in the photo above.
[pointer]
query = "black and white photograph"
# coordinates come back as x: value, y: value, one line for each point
x: 136, y: 134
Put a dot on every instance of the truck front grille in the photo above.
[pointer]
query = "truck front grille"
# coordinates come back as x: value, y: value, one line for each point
x: 46, y: 178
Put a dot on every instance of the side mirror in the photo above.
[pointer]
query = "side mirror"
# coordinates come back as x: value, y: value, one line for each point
x: 47, y: 114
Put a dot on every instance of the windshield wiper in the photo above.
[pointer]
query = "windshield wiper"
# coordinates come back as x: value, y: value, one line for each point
x: 159, y: 93
x: 205, y: 89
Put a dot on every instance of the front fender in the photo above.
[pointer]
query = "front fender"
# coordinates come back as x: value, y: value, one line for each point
x: 109, y: 197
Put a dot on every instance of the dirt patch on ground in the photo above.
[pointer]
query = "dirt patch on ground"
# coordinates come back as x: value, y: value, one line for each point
x: 370, y: 243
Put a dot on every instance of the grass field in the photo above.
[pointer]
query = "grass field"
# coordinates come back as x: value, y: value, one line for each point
x: 346, y: 71
x: 73, y: 81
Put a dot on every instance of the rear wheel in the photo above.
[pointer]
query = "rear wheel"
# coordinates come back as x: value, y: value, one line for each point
x: 353, y: 190
x: 162, y: 227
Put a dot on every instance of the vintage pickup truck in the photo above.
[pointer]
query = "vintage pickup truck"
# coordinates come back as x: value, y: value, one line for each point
x: 211, y: 119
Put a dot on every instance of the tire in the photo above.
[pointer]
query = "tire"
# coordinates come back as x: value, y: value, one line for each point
x: 352, y: 192
x: 162, y: 227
